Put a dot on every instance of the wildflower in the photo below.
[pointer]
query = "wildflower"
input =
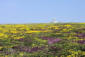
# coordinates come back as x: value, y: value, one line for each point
x: 1, y: 47
x: 1, y: 34
x: 32, y: 31
x: 81, y: 41
x: 64, y: 29
x: 18, y: 37
x: 14, y: 31
x: 34, y: 49
x: 81, y: 35
x: 52, y: 41
x: 21, y: 54
x: 83, y: 53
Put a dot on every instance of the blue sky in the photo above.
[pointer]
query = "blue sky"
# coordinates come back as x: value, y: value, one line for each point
x: 39, y: 11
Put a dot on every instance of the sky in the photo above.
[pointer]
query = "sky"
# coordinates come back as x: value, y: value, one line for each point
x: 41, y: 11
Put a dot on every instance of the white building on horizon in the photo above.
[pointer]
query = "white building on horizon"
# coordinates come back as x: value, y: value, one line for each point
x: 54, y: 21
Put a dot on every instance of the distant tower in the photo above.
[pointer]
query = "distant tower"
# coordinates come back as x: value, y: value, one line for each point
x: 54, y: 21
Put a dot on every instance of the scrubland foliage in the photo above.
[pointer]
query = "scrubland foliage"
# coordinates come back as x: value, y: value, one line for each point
x: 42, y: 40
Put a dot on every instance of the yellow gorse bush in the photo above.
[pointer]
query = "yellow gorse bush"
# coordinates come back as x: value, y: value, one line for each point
x: 2, y: 35
x: 67, y: 25
x: 32, y: 31
x: 53, y: 27
x: 13, y: 31
x: 19, y: 37
x: 1, y: 47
